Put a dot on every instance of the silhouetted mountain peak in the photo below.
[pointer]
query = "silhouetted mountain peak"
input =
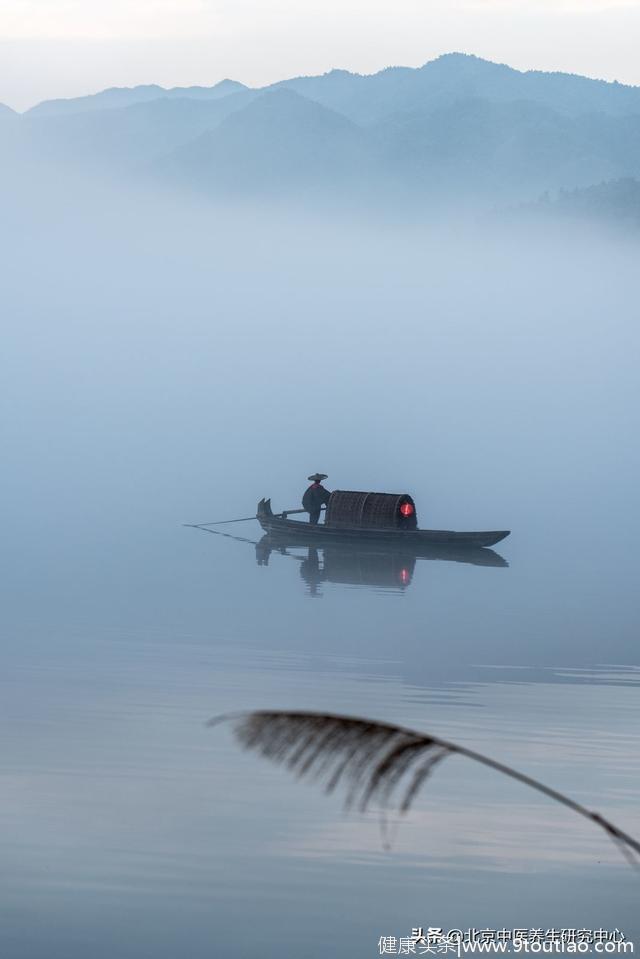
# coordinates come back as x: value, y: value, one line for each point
x: 281, y: 104
x: 221, y: 89
x: 232, y: 86
x: 281, y: 141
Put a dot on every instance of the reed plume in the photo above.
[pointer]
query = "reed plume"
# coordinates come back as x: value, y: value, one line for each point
x: 375, y: 761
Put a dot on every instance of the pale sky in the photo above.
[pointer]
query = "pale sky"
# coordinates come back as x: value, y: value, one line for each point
x: 63, y: 48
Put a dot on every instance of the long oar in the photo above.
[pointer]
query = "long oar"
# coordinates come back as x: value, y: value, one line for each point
x: 243, y: 519
x: 220, y: 522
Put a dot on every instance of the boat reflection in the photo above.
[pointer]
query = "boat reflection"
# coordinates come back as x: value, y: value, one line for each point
x: 371, y: 566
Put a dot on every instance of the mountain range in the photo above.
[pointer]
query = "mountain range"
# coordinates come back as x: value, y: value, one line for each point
x: 116, y: 97
x: 458, y: 127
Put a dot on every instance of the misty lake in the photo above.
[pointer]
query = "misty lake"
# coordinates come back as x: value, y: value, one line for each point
x: 176, y: 372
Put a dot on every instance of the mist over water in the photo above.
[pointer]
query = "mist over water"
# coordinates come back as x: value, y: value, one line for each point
x: 168, y: 361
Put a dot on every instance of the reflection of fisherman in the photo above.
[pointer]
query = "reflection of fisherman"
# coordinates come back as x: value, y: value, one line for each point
x: 311, y: 572
x: 315, y: 497
x: 263, y: 552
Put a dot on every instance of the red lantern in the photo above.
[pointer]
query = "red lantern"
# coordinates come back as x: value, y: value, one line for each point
x: 406, y: 509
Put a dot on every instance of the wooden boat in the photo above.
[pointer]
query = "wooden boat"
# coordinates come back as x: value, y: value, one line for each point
x: 278, y: 524
x: 357, y: 552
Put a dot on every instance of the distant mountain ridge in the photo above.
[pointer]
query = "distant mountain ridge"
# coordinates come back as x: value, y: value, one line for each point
x: 368, y: 97
x: 507, y: 151
x: 457, y: 76
x: 118, y: 97
x: 505, y: 147
x: 119, y: 139
x: 457, y: 130
x: 280, y: 141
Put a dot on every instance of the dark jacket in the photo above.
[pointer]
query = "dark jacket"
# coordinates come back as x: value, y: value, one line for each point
x: 315, y: 497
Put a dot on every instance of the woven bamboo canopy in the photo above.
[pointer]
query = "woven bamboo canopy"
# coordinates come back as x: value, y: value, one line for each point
x: 371, y: 510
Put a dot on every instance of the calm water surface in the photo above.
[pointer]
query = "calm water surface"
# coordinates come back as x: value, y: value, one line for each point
x: 132, y: 830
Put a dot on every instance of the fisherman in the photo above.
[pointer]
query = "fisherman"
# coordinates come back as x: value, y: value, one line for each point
x: 315, y: 497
